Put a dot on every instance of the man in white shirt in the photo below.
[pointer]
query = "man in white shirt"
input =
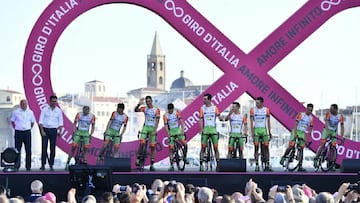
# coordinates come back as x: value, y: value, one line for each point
x: 22, y: 120
x: 50, y: 123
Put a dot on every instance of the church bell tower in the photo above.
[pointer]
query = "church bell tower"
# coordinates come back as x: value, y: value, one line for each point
x: 156, y: 66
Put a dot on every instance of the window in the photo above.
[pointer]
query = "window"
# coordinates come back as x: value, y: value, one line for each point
x: 160, y: 80
x: 153, y: 66
x: 8, y: 99
x: 161, y: 66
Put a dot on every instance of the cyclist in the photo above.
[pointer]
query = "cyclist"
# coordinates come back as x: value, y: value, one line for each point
x: 304, y: 121
x: 82, y: 123
x: 332, y: 120
x: 152, y: 117
x: 238, y: 127
x: 259, y: 118
x: 118, y: 121
x: 172, y: 118
x: 208, y: 113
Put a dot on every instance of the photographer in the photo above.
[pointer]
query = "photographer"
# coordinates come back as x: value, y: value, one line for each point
x: 174, y: 192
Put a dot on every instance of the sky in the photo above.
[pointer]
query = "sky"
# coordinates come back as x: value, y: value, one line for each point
x: 110, y: 43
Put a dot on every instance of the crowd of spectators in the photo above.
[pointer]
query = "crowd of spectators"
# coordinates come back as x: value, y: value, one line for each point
x: 176, y: 192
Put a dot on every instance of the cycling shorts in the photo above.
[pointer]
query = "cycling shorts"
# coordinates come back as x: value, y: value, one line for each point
x: 113, y: 135
x: 78, y: 134
x: 300, y: 135
x: 209, y: 132
x: 261, y: 132
x: 175, y: 133
x: 233, y: 137
x: 148, y: 130
x: 324, y: 135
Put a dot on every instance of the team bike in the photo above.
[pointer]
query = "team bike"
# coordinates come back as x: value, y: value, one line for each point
x: 327, y: 155
x: 262, y: 153
x: 178, y: 155
x: 143, y: 152
x: 79, y: 158
x: 293, y: 158
x: 209, y: 155
x: 237, y: 152
x: 108, y: 152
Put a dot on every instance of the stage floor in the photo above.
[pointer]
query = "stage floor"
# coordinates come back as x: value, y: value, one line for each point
x: 58, y: 181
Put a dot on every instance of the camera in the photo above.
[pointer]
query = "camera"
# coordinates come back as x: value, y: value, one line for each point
x: 171, y: 187
x: 355, y: 186
x: 281, y: 188
x: 122, y: 188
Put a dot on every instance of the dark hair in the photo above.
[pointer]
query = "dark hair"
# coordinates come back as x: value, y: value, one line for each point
x: 310, y: 105
x: 335, y: 106
x: 121, y: 106
x: 237, y: 104
x: 208, y: 96
x: 86, y: 107
x: 2, y: 190
x: 261, y: 99
x: 170, y: 106
x: 53, y: 97
x: 148, y: 97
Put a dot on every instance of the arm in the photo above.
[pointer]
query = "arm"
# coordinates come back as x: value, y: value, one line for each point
x: 75, y: 122
x: 157, y: 121
x: 342, y: 127
x: 41, y: 122
x: 166, y: 125
x: 137, y: 107
x: 201, y: 120
x: 124, y: 128
x: 252, y: 122
x: 268, y: 121
x: 61, y: 122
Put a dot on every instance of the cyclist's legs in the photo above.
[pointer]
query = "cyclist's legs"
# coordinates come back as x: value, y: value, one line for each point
x: 116, y: 143
x: 204, y: 140
x: 265, y: 139
x: 241, y: 146
x: 231, y: 144
x: 142, y: 139
x: 292, y: 143
x: 215, y: 141
x: 333, y: 146
x: 74, y: 145
x: 109, y: 135
x: 324, y: 135
x: 85, y: 146
x: 301, y: 141
x: 171, y: 142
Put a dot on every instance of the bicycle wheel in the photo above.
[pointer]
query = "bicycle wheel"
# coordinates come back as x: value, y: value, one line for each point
x: 78, y: 154
x: 325, y: 160
x: 179, y: 156
x: 293, y: 159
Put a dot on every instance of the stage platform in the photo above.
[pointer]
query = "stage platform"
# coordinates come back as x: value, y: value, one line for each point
x: 58, y: 181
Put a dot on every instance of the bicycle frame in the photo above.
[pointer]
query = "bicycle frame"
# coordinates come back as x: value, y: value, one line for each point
x: 179, y: 155
x: 79, y: 151
x: 325, y: 161
x: 209, y: 155
x: 293, y: 159
x: 144, y: 152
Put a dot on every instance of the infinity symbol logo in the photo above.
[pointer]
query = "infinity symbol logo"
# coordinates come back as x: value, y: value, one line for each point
x: 170, y: 5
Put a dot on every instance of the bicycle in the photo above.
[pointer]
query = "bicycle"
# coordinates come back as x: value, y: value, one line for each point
x: 324, y: 162
x: 143, y: 152
x: 292, y: 159
x: 262, y: 154
x: 178, y: 155
x: 107, y: 152
x: 80, y: 153
x: 237, y: 148
x: 209, y: 157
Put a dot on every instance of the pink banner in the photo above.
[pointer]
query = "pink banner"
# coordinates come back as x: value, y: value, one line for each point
x: 242, y: 72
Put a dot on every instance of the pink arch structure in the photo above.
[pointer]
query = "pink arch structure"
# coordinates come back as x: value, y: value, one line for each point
x: 242, y: 72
